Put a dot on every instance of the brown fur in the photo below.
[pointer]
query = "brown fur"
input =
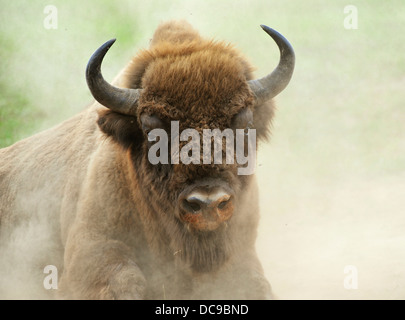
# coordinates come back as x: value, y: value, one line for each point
x: 114, y: 212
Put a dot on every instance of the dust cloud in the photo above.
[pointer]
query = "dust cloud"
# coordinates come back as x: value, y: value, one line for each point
x: 28, y: 243
x: 314, y: 230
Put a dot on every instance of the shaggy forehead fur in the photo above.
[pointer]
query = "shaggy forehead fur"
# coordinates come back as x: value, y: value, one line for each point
x: 200, y: 82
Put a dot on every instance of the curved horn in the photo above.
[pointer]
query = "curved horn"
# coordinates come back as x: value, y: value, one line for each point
x: 272, y: 84
x: 121, y: 100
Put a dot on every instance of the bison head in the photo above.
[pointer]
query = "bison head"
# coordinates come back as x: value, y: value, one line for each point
x: 201, y: 84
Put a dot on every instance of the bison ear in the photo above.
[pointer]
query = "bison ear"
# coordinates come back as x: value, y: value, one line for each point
x: 123, y: 129
x: 262, y: 117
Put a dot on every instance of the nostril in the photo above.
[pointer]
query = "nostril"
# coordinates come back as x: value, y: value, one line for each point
x: 191, y: 205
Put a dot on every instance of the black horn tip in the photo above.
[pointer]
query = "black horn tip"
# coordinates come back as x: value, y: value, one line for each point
x: 107, y: 45
x: 267, y: 29
x: 110, y: 42
x: 273, y: 33
x: 269, y: 86
x: 93, y: 66
x: 100, y: 52
x: 281, y: 41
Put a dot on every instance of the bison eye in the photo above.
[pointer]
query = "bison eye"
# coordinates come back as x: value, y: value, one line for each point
x: 150, y: 122
x: 243, y: 120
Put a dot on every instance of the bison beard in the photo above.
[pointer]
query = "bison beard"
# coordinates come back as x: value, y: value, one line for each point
x: 83, y: 196
x: 205, y: 251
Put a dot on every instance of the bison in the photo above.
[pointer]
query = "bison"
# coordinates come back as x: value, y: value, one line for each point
x: 84, y: 198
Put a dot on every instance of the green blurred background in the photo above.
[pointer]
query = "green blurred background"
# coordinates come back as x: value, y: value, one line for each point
x: 333, y: 176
